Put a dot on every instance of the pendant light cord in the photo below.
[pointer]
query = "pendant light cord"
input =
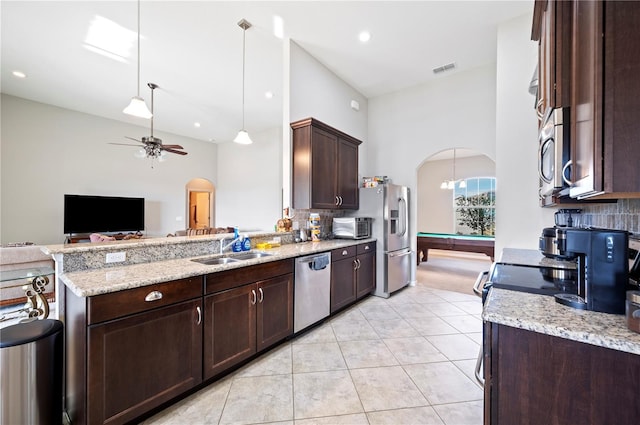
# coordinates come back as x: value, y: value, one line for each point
x: 244, y: 36
x: 139, y: 48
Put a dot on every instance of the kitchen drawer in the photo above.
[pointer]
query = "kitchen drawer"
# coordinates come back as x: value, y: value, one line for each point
x: 221, y: 281
x: 365, y: 248
x: 346, y: 252
x: 123, y: 303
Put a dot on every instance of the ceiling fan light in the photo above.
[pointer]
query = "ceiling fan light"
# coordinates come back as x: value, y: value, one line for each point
x: 243, y: 138
x: 451, y: 185
x: 138, y: 108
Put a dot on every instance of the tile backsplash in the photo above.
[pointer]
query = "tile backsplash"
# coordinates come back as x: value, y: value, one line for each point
x: 623, y: 215
x: 300, y: 219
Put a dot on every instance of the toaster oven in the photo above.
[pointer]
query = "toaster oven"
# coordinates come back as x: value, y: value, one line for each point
x: 352, y: 227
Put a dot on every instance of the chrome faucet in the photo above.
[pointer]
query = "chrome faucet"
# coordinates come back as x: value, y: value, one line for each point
x: 223, y: 246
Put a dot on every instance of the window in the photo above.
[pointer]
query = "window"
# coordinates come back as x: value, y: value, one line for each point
x: 474, y: 206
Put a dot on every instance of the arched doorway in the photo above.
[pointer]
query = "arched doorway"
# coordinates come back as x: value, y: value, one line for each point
x: 200, y: 204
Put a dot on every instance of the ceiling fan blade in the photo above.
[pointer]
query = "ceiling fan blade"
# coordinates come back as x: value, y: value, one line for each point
x: 135, y: 140
x: 174, y: 151
x: 173, y: 146
x: 124, y: 144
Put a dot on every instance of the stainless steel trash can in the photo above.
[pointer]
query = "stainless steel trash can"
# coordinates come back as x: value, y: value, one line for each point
x: 31, y: 359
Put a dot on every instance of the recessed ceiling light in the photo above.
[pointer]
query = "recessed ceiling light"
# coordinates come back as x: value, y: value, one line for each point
x: 196, y: 124
x: 19, y: 74
x: 278, y: 26
x: 364, y: 36
x: 110, y: 39
x: 268, y: 94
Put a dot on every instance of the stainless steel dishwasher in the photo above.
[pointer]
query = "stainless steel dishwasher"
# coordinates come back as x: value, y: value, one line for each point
x: 312, y: 290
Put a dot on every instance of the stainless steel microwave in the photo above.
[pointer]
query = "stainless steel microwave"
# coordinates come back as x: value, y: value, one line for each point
x: 554, y: 160
x: 352, y: 227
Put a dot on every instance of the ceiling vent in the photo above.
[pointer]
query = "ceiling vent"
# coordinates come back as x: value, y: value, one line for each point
x: 444, y: 68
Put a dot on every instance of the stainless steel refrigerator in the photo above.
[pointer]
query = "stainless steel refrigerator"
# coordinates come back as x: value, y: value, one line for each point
x: 388, y: 206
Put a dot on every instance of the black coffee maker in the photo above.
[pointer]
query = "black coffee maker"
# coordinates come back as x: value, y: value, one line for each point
x: 603, y: 269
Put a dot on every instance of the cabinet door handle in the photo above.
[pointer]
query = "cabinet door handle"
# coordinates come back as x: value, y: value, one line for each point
x: 340, y: 197
x: 540, y: 113
x: 254, y: 297
x: 337, y: 200
x: 153, y: 296
x: 355, y: 264
x: 199, y: 315
x: 261, y: 295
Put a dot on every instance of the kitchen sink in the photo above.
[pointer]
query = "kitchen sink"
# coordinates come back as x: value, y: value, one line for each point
x: 250, y: 255
x: 216, y: 261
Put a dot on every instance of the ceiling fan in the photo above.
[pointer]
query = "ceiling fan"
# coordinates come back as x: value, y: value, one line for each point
x: 153, y: 147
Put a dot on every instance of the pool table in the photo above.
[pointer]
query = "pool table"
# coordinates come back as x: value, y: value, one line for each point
x: 467, y: 243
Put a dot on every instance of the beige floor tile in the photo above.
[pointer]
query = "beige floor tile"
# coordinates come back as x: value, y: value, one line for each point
x: 410, y: 416
x: 414, y: 350
x: 432, y: 326
x: 471, y: 307
x: 393, y: 328
x: 204, y: 407
x: 350, y: 315
x: 259, y: 399
x: 320, y: 394
x: 455, y: 347
x: 475, y: 337
x: 357, y: 419
x: 427, y: 298
x: 378, y: 312
x: 385, y: 388
x: 275, y: 362
x: 372, y: 353
x: 322, y: 333
x: 443, y: 383
x: 465, y: 324
x: 317, y: 357
x: 455, y: 297
x: 469, y: 413
x: 353, y: 331
x: 444, y: 309
x: 413, y: 311
x: 468, y: 367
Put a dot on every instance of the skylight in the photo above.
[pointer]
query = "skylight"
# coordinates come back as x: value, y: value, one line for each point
x: 110, y: 39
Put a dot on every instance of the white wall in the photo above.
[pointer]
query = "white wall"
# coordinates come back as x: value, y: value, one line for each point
x: 49, y: 151
x: 519, y: 218
x: 435, y: 205
x: 249, y: 187
x: 407, y: 127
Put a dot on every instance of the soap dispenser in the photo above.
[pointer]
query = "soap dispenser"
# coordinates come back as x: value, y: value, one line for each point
x: 237, y: 243
x: 246, y: 243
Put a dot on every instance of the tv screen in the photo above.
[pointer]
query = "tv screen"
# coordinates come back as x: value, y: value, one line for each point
x: 90, y: 214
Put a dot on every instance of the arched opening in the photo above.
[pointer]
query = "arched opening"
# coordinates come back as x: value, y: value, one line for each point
x: 200, y: 204
x: 456, y: 191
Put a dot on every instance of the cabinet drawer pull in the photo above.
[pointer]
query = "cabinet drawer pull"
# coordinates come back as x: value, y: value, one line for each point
x: 261, y: 295
x: 199, y: 315
x: 345, y: 252
x: 253, y: 297
x: 153, y: 296
x: 366, y: 247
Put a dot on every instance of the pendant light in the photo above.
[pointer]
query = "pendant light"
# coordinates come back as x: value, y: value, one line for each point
x: 243, y: 137
x: 451, y: 184
x: 137, y: 107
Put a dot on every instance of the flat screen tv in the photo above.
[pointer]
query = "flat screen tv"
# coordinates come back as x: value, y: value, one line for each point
x: 91, y: 214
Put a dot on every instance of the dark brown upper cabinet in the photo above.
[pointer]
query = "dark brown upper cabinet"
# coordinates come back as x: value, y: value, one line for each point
x: 605, y: 100
x: 552, y: 30
x: 325, y: 167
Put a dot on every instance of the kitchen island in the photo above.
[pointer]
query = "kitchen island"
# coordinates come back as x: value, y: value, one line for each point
x: 549, y: 363
x: 144, y: 332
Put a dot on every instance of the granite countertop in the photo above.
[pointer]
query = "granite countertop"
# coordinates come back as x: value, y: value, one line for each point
x: 533, y: 257
x: 102, y: 281
x: 542, y: 314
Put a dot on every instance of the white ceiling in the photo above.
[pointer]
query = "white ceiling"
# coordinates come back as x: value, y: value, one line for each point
x: 193, y: 51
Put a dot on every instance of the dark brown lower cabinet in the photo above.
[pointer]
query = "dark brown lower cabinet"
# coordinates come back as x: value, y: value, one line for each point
x: 533, y: 378
x: 141, y: 361
x: 353, y: 274
x: 242, y: 321
x: 366, y: 271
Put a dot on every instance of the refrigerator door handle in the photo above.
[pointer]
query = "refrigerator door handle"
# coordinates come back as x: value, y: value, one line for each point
x: 402, y: 254
x: 402, y: 204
